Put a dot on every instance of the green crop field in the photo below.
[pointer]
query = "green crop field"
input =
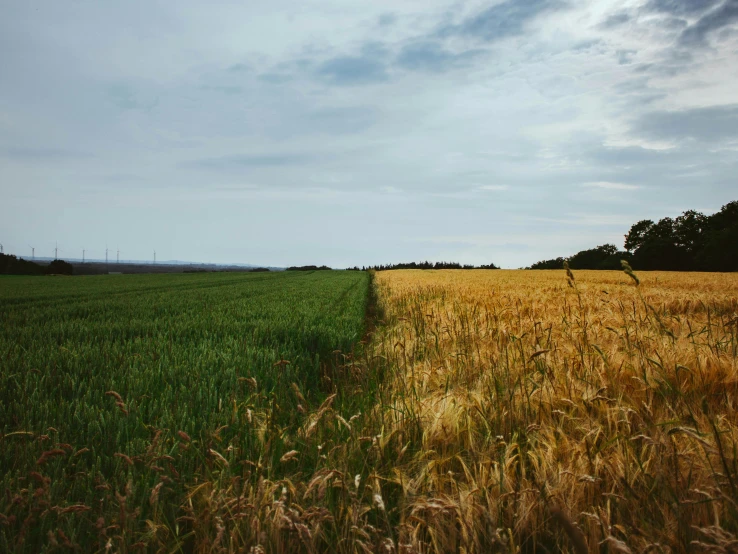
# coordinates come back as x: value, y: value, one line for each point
x: 120, y: 394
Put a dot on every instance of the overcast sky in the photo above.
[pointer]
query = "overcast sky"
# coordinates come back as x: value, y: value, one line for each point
x: 345, y: 132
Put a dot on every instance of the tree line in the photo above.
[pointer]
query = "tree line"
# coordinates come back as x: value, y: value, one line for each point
x: 12, y: 265
x: 691, y: 242
x: 309, y: 268
x: 423, y: 265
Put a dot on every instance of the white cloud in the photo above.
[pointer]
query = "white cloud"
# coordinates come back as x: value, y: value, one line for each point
x: 611, y: 186
x: 494, y: 187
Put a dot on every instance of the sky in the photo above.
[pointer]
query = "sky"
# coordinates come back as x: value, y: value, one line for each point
x: 356, y: 133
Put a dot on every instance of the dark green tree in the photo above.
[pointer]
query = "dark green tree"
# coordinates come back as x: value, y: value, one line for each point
x: 637, y: 235
x: 59, y: 267
x: 690, y: 242
x: 11, y: 265
x: 690, y: 230
x: 720, y: 249
x: 555, y: 263
x: 605, y: 256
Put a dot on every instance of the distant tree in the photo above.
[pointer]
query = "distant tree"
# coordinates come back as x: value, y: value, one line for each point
x: 11, y: 265
x: 720, y: 249
x: 645, y: 241
x: 690, y: 242
x: 605, y: 256
x: 660, y: 247
x: 59, y: 267
x: 690, y: 231
x: 555, y: 263
x: 637, y: 235
x: 431, y: 265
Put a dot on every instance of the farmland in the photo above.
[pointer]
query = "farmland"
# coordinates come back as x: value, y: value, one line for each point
x: 483, y: 411
x: 529, y: 414
x: 118, y: 393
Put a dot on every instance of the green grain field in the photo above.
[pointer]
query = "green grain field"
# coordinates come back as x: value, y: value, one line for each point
x: 119, y: 395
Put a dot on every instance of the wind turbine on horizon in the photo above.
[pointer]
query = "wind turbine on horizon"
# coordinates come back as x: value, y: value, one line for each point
x: 154, y: 257
x: 2, y: 250
x: 33, y: 252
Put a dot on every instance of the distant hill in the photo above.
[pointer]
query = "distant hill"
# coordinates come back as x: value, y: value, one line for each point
x: 181, y: 263
x: 13, y: 265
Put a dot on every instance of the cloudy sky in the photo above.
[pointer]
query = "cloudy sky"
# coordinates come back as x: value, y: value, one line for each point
x: 344, y: 132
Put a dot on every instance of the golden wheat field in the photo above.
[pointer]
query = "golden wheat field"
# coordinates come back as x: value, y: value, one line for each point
x: 596, y: 416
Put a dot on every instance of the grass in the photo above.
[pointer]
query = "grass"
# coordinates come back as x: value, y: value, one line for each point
x: 486, y: 411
